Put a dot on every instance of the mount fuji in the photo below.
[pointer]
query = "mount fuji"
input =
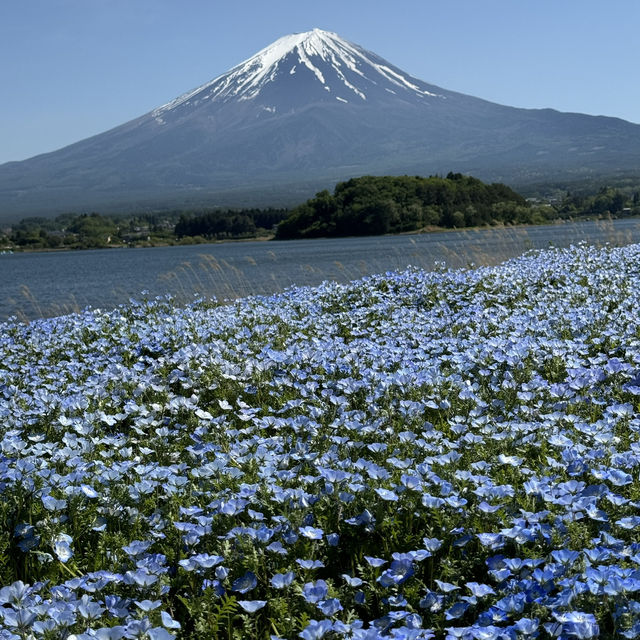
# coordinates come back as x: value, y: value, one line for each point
x: 309, y: 110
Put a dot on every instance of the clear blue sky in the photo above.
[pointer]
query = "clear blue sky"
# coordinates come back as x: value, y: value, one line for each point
x: 73, y: 68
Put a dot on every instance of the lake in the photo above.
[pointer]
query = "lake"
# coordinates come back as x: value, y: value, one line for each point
x: 36, y: 285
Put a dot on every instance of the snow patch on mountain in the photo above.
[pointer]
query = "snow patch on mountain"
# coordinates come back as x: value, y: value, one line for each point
x: 330, y: 58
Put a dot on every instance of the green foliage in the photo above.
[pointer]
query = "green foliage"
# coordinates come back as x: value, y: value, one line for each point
x: 374, y: 205
x: 88, y: 231
x: 607, y: 201
x: 227, y: 224
x: 93, y: 230
x: 210, y: 616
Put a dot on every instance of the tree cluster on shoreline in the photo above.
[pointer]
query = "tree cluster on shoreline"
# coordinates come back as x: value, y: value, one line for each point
x: 94, y: 230
x: 376, y: 205
x: 220, y: 225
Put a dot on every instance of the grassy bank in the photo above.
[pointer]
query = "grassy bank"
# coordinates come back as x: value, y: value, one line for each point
x: 450, y: 454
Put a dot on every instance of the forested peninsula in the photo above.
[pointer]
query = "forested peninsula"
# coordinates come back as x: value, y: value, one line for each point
x: 373, y: 205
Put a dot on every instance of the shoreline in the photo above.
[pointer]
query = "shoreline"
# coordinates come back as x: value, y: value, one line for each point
x: 272, y: 237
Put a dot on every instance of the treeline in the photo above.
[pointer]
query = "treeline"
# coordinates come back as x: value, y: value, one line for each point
x: 89, y: 231
x: 374, y: 205
x: 229, y: 224
x: 606, y: 201
x: 94, y: 230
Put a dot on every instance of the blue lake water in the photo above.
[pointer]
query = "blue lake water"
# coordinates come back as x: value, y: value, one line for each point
x: 47, y: 284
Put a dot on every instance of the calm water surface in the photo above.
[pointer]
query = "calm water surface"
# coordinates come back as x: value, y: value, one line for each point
x: 34, y: 285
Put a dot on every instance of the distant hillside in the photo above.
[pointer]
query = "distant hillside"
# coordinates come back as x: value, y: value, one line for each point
x: 375, y: 205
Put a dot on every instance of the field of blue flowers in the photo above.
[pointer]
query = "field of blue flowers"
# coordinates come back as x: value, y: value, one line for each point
x: 449, y: 454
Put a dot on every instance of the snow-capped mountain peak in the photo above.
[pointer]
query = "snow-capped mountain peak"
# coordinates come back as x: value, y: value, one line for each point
x: 314, y: 65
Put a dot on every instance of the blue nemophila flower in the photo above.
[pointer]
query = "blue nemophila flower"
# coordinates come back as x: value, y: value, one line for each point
x: 27, y: 537
x: 398, y: 572
x: 282, y: 580
x: 431, y: 544
x: 330, y: 607
x: 366, y: 517
x: 512, y: 604
x: 513, y: 564
x: 455, y: 501
x: 375, y: 562
x: 310, y: 564
x: 52, y: 504
x: 565, y: 556
x: 597, y: 554
x: 396, y: 601
x: 89, y: 609
x: 148, y: 605
x: 136, y: 547
x: 446, y: 587
x: 527, y: 626
x: 311, y: 532
x: 89, y: 491
x: 616, y: 499
x: 352, y: 582
x: 245, y: 583
x: 419, y: 555
x: 479, y: 590
x: 200, y: 561
x: 15, y: 593
x: 116, y: 606
x: 276, y: 547
x: 159, y: 633
x: 221, y: 573
x: 214, y: 585
x: 232, y: 507
x: 597, y: 580
x: 290, y: 537
x: 411, y: 482
x: 491, y: 540
x: 616, y: 477
x: 432, y: 601
x: 315, y: 630
x: 62, y: 547
x: 251, y: 606
x: 168, y: 621
x: 577, y: 624
x: 313, y: 592
x: 20, y: 619
x: 485, y: 507
x: 141, y: 577
x: 596, y: 514
x: 630, y: 522
x: 333, y: 539
x: 432, y: 502
x: 386, y: 494
x: 100, y: 524
x: 456, y: 611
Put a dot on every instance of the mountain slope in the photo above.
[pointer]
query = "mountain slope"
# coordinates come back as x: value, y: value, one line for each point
x: 307, y: 110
